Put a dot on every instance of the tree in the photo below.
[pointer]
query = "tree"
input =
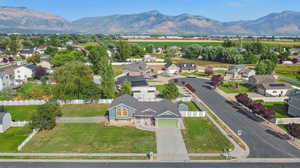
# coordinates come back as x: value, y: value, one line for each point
x: 294, y: 130
x: 101, y: 65
x: 63, y: 57
x: 265, y: 67
x: 209, y: 71
x: 217, y: 80
x: 149, y: 48
x: 40, y: 72
x: 72, y: 81
x: 34, y: 59
x: 126, y: 87
x: 124, y: 51
x: 170, y: 91
x: 228, y: 43
x: 45, y: 116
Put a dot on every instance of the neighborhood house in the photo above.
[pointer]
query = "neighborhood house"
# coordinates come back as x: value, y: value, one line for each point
x: 175, y: 68
x: 239, y: 72
x: 7, y: 77
x: 256, y: 80
x: 23, y: 73
x: 294, y: 105
x: 274, y: 89
x: 126, y: 110
x: 138, y: 69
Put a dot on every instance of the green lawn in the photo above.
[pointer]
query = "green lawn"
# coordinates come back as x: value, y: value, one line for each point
x: 92, y: 138
x: 21, y: 113
x: 201, y: 136
x: 84, y: 110
x: 118, y: 69
x: 279, y: 108
x: 243, y: 88
x: 12, y: 138
x: 192, y: 106
x: 34, y: 91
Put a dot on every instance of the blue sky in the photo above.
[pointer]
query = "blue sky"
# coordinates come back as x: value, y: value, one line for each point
x: 222, y: 10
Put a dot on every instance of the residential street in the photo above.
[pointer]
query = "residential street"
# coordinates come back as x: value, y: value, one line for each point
x: 144, y: 165
x: 263, y: 143
x: 170, y: 145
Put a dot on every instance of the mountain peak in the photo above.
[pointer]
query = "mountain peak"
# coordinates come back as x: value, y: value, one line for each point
x: 153, y: 12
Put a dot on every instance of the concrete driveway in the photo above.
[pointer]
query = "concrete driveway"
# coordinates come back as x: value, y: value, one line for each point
x: 170, y: 145
x: 260, y: 139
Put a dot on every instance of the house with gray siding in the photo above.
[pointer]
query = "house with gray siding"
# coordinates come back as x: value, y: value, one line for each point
x: 127, y: 110
x: 294, y: 105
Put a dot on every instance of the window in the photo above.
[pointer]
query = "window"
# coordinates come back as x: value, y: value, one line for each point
x: 122, y: 112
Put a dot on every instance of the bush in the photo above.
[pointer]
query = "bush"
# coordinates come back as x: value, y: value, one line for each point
x: 170, y: 91
x: 256, y: 107
x: 294, y: 130
x: 45, y: 116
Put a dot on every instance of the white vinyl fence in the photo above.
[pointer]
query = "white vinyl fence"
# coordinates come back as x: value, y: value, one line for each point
x: 287, y: 120
x: 21, y: 146
x: 19, y: 123
x: 40, y: 102
x: 193, y: 113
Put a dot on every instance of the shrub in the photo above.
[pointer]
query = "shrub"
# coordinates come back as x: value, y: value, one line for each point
x: 294, y: 130
x: 170, y: 91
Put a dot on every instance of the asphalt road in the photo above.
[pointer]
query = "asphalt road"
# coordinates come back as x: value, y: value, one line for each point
x: 263, y: 143
x: 145, y: 165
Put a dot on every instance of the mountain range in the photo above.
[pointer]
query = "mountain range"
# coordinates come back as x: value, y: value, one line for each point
x: 23, y: 20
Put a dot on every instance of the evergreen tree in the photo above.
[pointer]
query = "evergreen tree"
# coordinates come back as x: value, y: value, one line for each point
x: 126, y: 87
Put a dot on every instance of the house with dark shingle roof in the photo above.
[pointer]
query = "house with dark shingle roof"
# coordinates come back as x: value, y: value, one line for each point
x: 138, y: 69
x: 256, y: 80
x: 126, y: 110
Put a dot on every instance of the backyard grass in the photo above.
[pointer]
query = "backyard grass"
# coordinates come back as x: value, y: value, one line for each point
x: 12, y: 138
x: 201, y: 136
x: 243, y: 88
x: 31, y: 91
x: 118, y: 69
x: 21, y: 113
x: 92, y: 138
x: 279, y: 108
x: 84, y: 110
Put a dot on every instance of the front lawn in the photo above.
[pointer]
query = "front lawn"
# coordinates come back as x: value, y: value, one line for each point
x: 192, y: 106
x: 201, y: 136
x: 279, y: 107
x: 21, y: 113
x: 84, y: 110
x: 12, y: 138
x: 92, y: 138
x: 242, y: 88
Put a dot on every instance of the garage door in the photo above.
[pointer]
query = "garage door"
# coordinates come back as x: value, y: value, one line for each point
x: 164, y: 123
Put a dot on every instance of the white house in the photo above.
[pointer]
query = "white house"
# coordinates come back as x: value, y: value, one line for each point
x: 5, y: 121
x: 6, y: 77
x: 23, y: 73
x: 144, y: 93
x: 274, y: 89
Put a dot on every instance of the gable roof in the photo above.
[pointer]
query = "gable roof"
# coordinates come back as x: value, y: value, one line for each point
x: 137, y: 66
x: 2, y: 115
x: 275, y: 86
x: 263, y: 79
x: 153, y: 109
x: 182, y: 65
x: 134, y: 80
